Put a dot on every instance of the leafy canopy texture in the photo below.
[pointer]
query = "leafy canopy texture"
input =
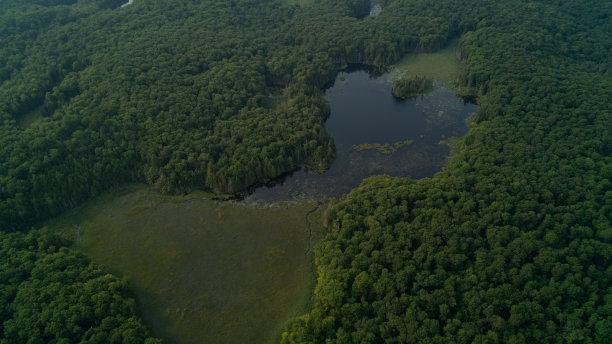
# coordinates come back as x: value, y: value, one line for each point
x: 49, y: 294
x: 212, y: 94
x: 512, y: 243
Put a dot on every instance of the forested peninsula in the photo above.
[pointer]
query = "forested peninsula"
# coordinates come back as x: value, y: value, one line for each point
x: 511, y: 243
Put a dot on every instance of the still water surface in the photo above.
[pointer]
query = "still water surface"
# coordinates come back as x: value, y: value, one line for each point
x: 363, y: 111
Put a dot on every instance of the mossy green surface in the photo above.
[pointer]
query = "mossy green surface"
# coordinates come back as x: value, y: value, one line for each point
x: 204, y: 271
x: 29, y: 119
x: 443, y: 65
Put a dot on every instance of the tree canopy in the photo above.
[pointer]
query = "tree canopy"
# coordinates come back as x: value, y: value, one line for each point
x: 413, y: 86
x: 51, y: 294
x: 511, y: 243
x: 176, y: 94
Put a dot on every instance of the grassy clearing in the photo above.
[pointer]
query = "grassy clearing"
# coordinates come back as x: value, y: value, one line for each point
x: 204, y: 271
x: 28, y: 119
x: 442, y: 65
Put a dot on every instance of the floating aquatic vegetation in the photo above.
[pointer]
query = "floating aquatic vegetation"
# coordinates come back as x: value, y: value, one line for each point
x: 386, y: 148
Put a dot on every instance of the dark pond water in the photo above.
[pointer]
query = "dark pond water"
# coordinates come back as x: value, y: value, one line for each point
x: 363, y: 111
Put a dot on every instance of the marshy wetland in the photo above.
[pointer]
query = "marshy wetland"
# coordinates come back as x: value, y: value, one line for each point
x: 209, y: 271
x: 204, y: 271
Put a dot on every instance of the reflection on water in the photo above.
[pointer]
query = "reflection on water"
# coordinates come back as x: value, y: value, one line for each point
x: 363, y: 111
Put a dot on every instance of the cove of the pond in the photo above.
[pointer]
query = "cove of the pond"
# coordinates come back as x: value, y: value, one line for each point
x: 364, y: 113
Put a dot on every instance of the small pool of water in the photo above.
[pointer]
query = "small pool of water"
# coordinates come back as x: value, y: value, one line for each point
x: 363, y: 112
x: 375, y: 11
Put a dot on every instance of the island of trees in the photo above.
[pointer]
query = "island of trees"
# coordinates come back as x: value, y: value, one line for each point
x: 408, y: 87
x: 511, y: 243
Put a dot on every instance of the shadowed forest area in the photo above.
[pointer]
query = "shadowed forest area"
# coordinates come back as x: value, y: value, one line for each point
x: 511, y: 243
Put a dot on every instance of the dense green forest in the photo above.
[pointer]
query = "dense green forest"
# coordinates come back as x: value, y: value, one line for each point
x: 510, y: 244
x: 52, y: 295
x: 175, y: 94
